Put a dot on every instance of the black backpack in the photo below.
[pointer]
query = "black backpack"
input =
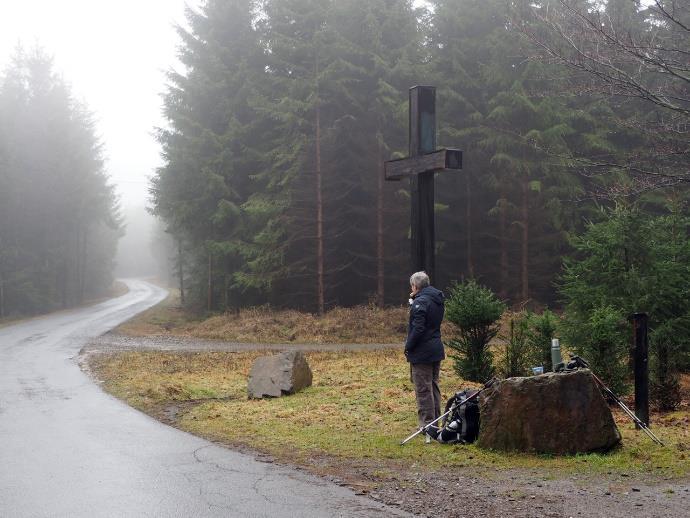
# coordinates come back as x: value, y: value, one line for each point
x: 462, y: 424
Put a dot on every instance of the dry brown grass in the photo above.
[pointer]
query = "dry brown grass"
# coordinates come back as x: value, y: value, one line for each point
x: 360, y: 324
x: 166, y: 318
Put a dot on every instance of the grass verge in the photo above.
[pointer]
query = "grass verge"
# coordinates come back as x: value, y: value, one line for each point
x: 360, y: 406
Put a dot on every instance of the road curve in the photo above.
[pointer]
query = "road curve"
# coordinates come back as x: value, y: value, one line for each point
x: 69, y: 449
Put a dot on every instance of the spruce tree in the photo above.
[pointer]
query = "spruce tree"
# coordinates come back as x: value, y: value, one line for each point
x: 59, y: 221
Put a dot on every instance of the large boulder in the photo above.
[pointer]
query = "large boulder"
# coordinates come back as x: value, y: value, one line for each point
x: 557, y: 413
x: 278, y: 375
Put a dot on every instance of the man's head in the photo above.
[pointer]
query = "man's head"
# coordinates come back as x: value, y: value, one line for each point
x: 418, y: 281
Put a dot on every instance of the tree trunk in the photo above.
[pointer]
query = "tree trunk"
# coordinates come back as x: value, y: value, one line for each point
x: 468, y: 219
x: 64, y: 282
x: 2, y: 296
x: 83, y: 262
x: 319, y: 207
x: 77, y: 268
x: 180, y: 270
x: 209, y: 293
x: 380, y: 265
x: 524, y: 267
x: 226, y: 289
x: 504, y: 246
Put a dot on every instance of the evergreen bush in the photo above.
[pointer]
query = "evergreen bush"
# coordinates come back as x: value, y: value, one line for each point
x: 475, y: 311
x: 540, y: 330
x: 529, y: 343
x: 664, y: 365
x: 602, y: 339
x: 629, y: 262
x: 516, y: 359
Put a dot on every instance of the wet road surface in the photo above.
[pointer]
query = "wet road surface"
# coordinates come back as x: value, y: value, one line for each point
x: 69, y: 449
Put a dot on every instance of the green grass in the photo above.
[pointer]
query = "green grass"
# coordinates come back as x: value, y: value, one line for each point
x: 360, y: 406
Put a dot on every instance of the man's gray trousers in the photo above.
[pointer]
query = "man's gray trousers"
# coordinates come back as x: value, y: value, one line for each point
x: 425, y: 379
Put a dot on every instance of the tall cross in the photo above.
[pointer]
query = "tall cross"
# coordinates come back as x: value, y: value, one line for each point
x: 424, y: 161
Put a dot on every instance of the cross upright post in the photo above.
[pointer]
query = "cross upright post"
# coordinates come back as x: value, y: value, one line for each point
x: 423, y: 162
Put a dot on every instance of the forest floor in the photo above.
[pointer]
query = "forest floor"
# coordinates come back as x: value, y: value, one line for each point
x: 348, y: 425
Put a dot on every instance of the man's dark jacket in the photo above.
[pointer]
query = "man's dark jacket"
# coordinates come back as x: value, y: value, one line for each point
x: 423, y: 343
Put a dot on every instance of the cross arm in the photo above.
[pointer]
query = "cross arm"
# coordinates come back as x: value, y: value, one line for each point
x: 430, y: 162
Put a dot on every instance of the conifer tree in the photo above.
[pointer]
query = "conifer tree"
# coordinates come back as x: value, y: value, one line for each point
x: 59, y: 221
x: 496, y: 106
x: 206, y: 178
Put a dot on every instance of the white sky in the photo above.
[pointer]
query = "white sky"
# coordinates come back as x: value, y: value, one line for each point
x: 114, y: 54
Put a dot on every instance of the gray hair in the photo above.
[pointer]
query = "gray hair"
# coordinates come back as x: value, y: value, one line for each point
x: 419, y: 280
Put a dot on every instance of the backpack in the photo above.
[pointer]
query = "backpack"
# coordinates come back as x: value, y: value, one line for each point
x: 462, y: 425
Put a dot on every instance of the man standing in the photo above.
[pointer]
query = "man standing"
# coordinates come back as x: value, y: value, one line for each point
x: 423, y: 348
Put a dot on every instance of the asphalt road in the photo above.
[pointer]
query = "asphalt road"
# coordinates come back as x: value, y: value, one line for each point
x: 68, y: 449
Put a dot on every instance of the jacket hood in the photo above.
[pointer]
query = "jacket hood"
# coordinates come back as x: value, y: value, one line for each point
x: 434, y: 294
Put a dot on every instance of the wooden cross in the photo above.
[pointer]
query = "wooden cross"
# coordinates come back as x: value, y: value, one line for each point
x: 424, y: 161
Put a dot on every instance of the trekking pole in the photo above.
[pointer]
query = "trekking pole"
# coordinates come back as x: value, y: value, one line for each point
x: 428, y: 425
x: 643, y: 426
x: 452, y: 408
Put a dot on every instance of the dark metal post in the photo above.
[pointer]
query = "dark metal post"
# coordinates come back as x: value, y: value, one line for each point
x: 641, y: 365
x: 423, y: 140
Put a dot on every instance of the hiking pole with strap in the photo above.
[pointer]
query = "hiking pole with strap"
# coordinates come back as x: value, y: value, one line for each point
x: 643, y: 426
x: 452, y: 408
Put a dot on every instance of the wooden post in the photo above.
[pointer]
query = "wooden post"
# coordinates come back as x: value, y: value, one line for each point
x: 468, y: 221
x: 641, y: 365
x: 424, y: 161
x: 422, y: 141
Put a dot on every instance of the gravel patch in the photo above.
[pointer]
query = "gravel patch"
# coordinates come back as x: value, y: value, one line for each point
x: 114, y: 342
x: 519, y: 494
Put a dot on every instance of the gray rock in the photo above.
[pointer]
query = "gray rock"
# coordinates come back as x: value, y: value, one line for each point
x: 278, y: 375
x: 557, y: 413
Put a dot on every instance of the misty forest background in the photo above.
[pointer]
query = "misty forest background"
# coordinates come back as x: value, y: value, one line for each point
x: 272, y: 185
x: 279, y: 123
x: 59, y: 220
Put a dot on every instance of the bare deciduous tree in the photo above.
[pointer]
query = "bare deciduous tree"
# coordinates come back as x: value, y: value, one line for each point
x: 638, y: 55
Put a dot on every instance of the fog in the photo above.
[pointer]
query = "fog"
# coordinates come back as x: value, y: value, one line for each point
x: 136, y: 257
x: 115, y: 56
